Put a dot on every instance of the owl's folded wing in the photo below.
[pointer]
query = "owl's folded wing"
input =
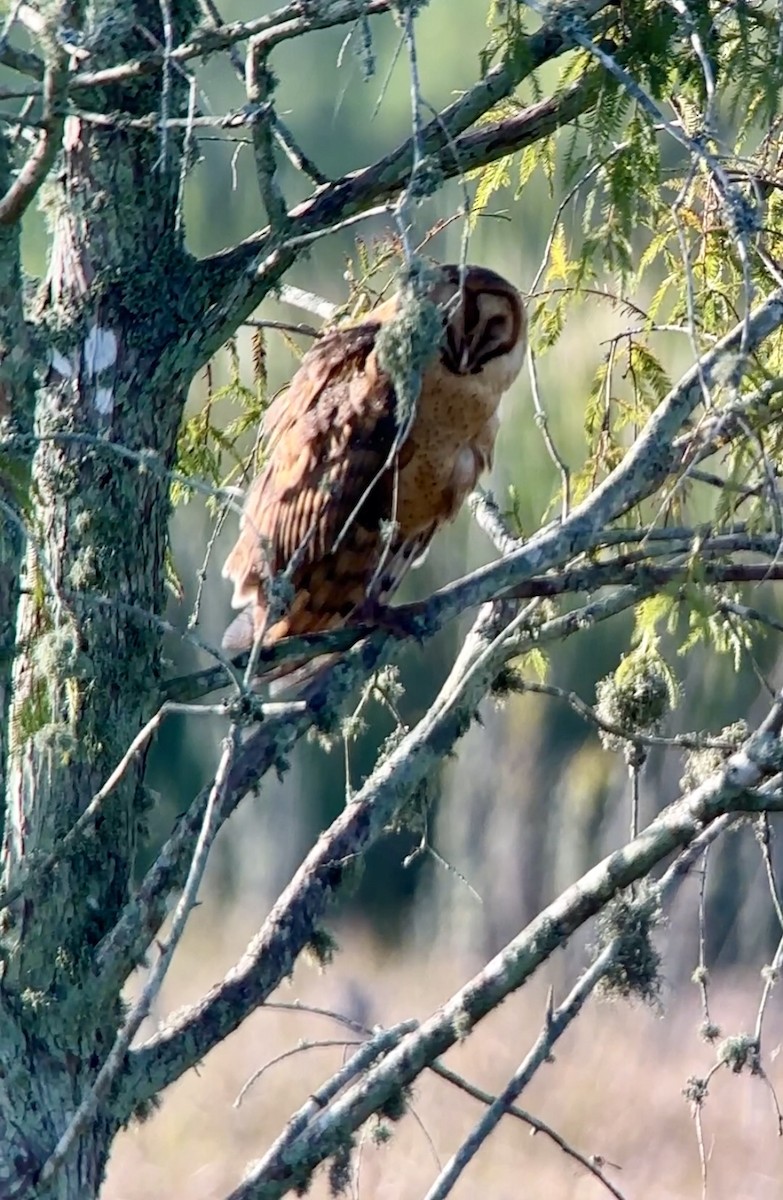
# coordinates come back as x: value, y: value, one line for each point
x: 329, y: 440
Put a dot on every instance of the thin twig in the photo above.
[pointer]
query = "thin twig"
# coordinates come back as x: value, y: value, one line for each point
x: 709, y: 1030
x: 166, y: 85
x: 682, y: 741
x: 592, y: 1163
x: 285, y: 327
x: 555, y: 1025
x: 542, y: 421
x: 379, y: 1045
x: 299, y: 1048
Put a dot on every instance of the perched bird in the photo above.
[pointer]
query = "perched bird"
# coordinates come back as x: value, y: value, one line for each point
x: 352, y: 488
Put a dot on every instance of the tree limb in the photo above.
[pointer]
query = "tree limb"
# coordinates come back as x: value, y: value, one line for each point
x: 554, y: 1027
x: 24, y: 188
x: 569, y: 581
x: 271, y: 955
x: 591, y: 1163
x: 679, y: 824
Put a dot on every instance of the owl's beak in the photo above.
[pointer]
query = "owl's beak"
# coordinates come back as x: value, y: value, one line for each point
x: 464, y: 357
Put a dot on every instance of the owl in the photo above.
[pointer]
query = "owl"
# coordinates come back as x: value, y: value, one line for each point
x: 351, y: 494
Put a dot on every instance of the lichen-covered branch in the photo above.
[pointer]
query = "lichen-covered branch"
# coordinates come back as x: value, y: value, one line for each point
x: 729, y: 790
x: 272, y: 954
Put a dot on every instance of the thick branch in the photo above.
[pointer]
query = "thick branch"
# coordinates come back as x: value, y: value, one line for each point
x: 271, y: 955
x: 23, y: 61
x: 677, y: 826
x: 41, y: 158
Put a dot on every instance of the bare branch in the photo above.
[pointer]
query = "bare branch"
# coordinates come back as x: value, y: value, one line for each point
x: 24, y: 188
x: 23, y: 61
x: 678, y: 825
x: 634, y: 569
x: 592, y: 1163
x: 681, y: 741
x: 270, y: 956
x: 300, y: 1048
x: 378, y: 1045
x: 260, y: 263
x: 554, y: 1027
x: 279, y: 26
x: 258, y: 82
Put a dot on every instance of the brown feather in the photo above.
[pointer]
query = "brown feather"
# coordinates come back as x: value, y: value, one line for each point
x: 338, y: 505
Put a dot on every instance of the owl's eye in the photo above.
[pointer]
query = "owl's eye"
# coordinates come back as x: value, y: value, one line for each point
x: 495, y: 328
x: 451, y: 348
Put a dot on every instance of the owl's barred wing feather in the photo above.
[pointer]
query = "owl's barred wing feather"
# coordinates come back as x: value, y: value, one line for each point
x: 324, y: 492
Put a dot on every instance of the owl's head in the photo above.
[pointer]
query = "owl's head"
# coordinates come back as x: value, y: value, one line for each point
x: 485, y: 329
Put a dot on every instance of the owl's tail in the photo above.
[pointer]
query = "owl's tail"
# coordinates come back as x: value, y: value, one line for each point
x: 240, y: 634
x: 239, y: 638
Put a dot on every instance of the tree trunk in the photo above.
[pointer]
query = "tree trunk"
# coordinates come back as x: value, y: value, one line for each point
x: 16, y: 409
x: 105, y: 421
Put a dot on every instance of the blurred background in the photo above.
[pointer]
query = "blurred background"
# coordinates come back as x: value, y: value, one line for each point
x: 530, y: 802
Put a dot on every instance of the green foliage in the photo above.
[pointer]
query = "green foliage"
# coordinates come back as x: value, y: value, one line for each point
x: 644, y: 216
x: 207, y: 446
x: 507, y: 41
x: 707, y: 625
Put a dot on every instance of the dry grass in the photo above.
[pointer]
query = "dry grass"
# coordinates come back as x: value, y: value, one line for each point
x: 614, y: 1090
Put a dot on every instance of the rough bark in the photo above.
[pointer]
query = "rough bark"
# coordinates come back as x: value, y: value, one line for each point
x: 16, y: 406
x: 85, y: 672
